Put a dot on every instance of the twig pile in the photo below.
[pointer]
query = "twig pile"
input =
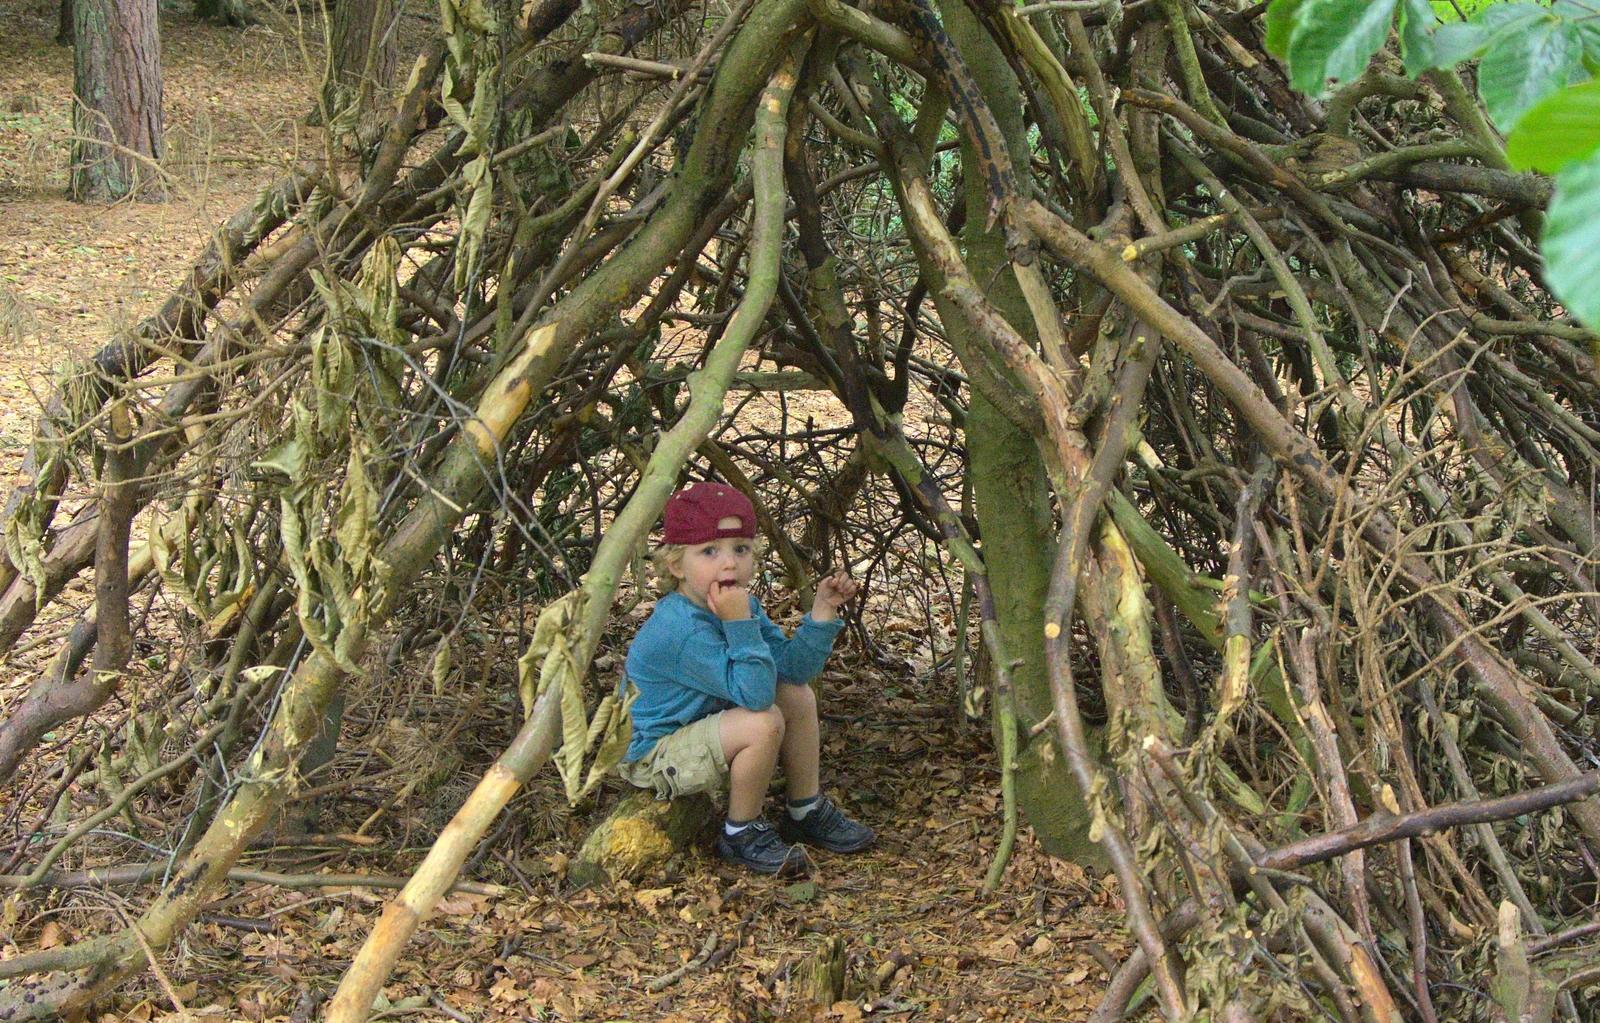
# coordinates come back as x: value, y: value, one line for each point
x: 1278, y: 378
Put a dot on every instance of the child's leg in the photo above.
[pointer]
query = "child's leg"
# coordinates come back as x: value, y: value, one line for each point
x: 750, y: 742
x: 801, y: 740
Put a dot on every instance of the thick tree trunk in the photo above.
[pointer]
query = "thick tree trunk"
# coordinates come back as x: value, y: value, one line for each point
x: 116, y: 119
x: 361, y: 56
x: 1011, y: 489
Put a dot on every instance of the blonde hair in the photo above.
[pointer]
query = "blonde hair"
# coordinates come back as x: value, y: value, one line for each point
x: 662, y: 560
x: 668, y: 555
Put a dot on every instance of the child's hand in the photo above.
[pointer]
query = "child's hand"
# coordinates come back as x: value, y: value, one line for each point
x: 833, y: 591
x: 729, y: 601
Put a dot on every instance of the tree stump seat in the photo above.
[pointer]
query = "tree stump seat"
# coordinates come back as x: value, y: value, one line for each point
x: 640, y: 833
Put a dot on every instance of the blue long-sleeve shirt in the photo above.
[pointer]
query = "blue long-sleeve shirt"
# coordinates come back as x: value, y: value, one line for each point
x: 687, y: 663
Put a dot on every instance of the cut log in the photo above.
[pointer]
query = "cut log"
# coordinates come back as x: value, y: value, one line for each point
x: 642, y: 833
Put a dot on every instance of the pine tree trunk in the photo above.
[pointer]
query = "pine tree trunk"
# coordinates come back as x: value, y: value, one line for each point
x: 117, y: 83
x: 361, y: 55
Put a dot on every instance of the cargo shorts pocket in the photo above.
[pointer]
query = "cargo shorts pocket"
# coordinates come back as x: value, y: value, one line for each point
x: 690, y: 771
x: 688, y: 761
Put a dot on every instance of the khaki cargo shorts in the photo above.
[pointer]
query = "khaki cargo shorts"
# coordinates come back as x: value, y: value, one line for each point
x: 684, y: 762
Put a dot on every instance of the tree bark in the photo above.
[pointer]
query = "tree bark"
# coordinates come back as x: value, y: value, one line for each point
x: 1010, y: 487
x: 641, y: 833
x: 116, y: 119
x: 362, y: 44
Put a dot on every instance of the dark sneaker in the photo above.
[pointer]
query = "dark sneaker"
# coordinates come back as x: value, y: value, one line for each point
x: 759, y: 848
x: 827, y: 827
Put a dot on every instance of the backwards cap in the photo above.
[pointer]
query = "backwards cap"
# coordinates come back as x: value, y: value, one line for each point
x: 692, y: 514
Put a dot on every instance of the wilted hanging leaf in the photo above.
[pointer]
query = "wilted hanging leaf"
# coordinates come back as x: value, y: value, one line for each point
x: 618, y: 733
x: 333, y: 376
x: 172, y: 551
x: 477, y: 16
x: 291, y: 455
x: 271, y: 206
x: 441, y: 665
x: 480, y: 120
x: 447, y: 98
x: 474, y: 219
x: 380, y: 287
x: 561, y: 671
x: 554, y: 619
x: 599, y: 720
x: 358, y: 516
x: 555, y: 637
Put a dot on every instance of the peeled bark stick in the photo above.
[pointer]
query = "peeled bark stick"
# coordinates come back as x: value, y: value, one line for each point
x: 1381, y: 828
x: 537, y: 740
x: 465, y: 473
x: 526, y: 754
x: 1061, y: 445
x: 1505, y: 692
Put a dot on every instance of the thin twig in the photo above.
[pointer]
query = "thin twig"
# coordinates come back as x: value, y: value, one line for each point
x: 666, y: 980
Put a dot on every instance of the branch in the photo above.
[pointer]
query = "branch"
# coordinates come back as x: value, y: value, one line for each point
x: 1381, y: 828
x: 1523, y: 189
x: 143, y: 873
x: 537, y: 740
x: 869, y: 31
x: 666, y: 980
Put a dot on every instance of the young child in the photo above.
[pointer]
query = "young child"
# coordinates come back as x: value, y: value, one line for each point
x: 723, y: 694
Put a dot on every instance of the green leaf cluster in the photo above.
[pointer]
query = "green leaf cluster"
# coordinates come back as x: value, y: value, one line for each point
x: 1536, y: 67
x: 1325, y: 40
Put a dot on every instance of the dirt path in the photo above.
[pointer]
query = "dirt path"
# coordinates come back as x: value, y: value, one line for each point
x: 73, y: 274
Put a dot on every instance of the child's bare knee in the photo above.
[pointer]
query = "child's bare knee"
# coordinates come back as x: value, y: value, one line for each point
x: 758, y: 728
x: 773, y: 723
x: 800, y: 700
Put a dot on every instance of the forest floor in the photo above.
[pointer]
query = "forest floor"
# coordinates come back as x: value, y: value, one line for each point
x: 896, y: 754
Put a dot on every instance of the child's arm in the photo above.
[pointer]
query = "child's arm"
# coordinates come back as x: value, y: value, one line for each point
x: 800, y: 659
x: 736, y: 666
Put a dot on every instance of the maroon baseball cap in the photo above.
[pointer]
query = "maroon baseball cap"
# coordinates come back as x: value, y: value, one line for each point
x: 693, y: 513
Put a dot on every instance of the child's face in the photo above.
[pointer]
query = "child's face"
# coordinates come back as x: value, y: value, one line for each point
x: 729, y: 561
